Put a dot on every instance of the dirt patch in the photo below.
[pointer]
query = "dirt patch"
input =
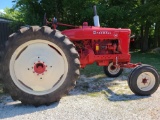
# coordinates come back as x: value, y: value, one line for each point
x: 112, y: 88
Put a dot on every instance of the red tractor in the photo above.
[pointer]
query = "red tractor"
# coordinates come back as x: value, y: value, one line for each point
x: 42, y: 64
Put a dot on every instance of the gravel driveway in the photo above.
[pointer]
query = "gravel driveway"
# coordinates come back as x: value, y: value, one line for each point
x: 94, y: 98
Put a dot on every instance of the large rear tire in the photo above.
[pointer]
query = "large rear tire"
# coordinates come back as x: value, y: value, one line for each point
x: 41, y: 65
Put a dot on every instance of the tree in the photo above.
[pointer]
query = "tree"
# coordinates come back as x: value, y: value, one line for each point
x: 141, y: 16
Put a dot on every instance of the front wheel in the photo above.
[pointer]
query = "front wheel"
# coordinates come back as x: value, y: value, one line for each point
x: 112, y: 70
x: 144, y: 80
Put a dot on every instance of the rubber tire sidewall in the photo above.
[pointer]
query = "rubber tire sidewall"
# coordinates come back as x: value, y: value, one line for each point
x: 105, y: 68
x: 129, y: 77
x: 58, y: 93
x: 133, y: 80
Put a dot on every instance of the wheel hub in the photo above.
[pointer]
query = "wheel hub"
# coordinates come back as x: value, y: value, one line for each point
x: 144, y: 81
x: 113, y: 69
x: 39, y: 68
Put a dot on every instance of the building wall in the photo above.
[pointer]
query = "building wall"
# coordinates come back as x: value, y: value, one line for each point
x: 4, y: 20
x: 5, y: 31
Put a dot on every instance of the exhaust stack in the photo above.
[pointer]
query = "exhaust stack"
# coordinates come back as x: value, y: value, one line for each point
x: 96, y: 17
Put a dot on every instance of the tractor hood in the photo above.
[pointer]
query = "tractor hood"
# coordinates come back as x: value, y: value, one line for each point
x: 91, y: 32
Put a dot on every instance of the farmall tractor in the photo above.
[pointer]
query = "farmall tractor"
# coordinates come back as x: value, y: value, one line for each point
x: 42, y: 65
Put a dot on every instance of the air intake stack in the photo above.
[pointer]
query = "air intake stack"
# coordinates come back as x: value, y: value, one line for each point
x: 96, y: 17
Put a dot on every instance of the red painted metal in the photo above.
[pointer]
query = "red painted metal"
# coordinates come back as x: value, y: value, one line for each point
x: 130, y: 65
x: 100, y: 45
x: 55, y: 23
x: 39, y: 68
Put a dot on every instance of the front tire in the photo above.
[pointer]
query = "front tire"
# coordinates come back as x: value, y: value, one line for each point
x: 144, y: 80
x: 112, y: 70
x: 41, y: 65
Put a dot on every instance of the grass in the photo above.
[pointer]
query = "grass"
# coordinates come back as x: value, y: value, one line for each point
x: 91, y: 70
x: 136, y: 57
x: 94, y: 94
x: 97, y: 94
x: 146, y: 58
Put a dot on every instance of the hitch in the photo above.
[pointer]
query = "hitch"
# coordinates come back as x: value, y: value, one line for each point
x: 55, y: 23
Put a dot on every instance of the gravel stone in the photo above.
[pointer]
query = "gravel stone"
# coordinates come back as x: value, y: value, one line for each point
x: 113, y: 101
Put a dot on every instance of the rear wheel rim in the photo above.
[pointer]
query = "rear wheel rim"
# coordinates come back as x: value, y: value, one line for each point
x: 38, y: 67
x: 113, y: 69
x: 146, y: 81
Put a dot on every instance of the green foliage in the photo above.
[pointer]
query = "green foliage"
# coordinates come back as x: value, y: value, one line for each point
x: 141, y: 16
x: 11, y: 14
x: 15, y: 16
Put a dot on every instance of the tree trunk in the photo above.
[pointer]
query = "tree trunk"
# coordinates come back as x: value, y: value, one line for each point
x: 56, y: 9
x: 145, y: 38
x: 156, y: 31
x: 141, y: 38
x: 158, y: 35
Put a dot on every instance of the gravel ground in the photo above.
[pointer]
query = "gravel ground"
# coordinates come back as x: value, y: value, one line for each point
x: 94, y: 98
